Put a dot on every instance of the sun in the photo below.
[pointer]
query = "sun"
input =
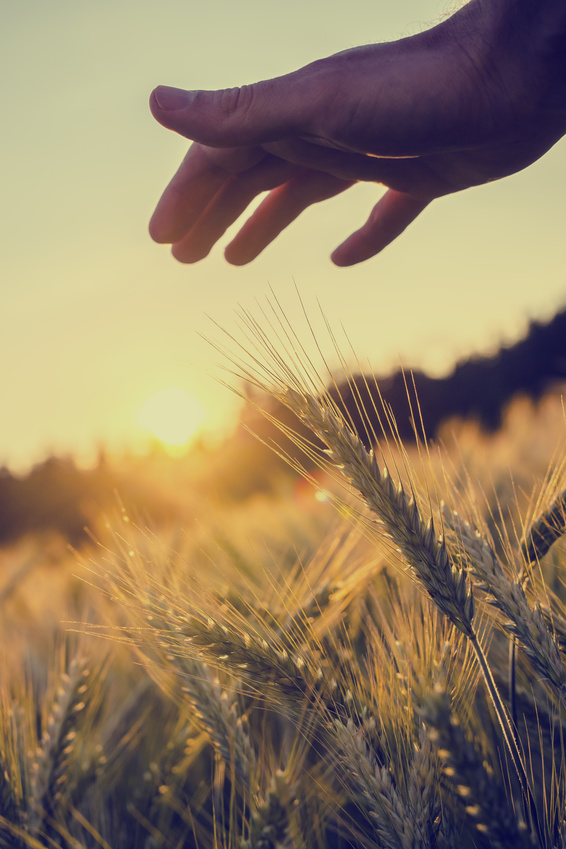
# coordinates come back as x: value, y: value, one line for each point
x: 172, y: 416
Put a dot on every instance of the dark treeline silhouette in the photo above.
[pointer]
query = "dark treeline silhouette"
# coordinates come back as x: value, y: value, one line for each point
x: 58, y: 495
x: 54, y: 495
x: 478, y: 389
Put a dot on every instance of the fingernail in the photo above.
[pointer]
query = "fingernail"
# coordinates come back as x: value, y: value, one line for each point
x: 172, y: 99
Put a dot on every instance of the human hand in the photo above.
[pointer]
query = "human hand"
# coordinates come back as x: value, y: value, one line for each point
x: 476, y: 98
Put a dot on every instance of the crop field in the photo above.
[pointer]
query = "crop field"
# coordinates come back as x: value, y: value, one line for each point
x: 367, y: 655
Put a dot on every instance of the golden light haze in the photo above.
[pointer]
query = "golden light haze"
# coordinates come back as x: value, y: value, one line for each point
x: 96, y: 318
x: 171, y: 416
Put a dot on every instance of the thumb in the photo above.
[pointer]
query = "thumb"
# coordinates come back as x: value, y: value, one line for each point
x: 253, y: 114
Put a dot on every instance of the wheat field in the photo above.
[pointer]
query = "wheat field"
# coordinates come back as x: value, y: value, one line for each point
x: 374, y: 660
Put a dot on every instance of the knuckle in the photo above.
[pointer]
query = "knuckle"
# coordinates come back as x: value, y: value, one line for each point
x: 236, y: 101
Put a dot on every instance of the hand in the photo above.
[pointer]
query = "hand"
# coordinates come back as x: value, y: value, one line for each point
x: 476, y: 98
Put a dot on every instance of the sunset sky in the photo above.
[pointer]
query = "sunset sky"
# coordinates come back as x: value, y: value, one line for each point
x: 96, y: 318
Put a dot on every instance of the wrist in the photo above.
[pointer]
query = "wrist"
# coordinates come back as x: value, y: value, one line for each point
x: 536, y: 27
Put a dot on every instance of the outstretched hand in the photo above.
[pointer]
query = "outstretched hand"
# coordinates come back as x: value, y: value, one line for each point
x: 478, y: 97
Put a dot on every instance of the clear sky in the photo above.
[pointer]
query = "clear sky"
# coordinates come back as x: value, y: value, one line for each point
x: 96, y: 318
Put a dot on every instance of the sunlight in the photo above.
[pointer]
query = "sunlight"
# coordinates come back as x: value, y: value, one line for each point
x: 172, y: 416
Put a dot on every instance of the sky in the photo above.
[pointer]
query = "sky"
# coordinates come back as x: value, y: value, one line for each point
x: 96, y: 319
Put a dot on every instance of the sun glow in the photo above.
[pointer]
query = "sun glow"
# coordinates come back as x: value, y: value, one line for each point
x: 172, y: 416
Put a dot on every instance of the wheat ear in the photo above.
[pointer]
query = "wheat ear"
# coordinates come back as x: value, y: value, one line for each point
x: 470, y: 778
x: 401, y: 822
x: 269, y: 821
x: 422, y: 792
x: 219, y: 713
x: 545, y: 530
x: 213, y: 707
x: 524, y: 622
x: 49, y: 771
x: 399, y: 513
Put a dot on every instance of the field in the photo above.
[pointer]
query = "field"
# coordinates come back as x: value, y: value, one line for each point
x: 370, y: 657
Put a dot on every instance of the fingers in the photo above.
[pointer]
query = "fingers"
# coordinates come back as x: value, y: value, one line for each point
x: 279, y: 209
x: 201, y: 175
x: 205, y: 171
x: 212, y: 188
x: 228, y: 204
x: 389, y: 218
